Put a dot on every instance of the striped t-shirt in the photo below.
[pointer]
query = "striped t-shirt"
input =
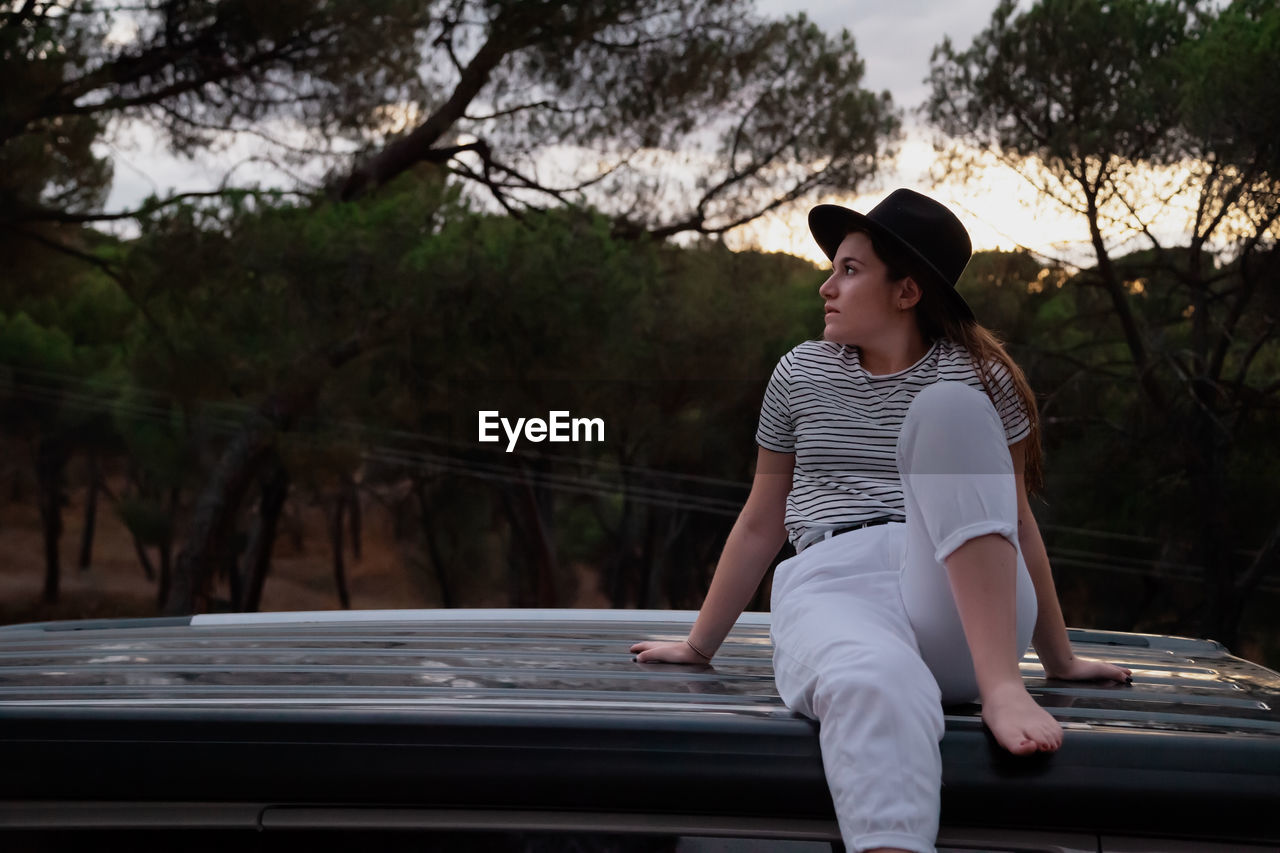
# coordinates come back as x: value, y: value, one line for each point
x: 842, y: 424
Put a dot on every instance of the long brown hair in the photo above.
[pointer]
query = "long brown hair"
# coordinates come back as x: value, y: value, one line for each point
x: 935, y: 320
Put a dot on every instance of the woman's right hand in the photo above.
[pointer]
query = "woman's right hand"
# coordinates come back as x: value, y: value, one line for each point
x: 653, y: 651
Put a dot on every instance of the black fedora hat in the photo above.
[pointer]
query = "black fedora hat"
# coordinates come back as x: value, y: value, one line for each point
x: 923, y: 228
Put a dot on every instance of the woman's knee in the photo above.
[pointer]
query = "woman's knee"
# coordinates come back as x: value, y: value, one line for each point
x: 951, y: 428
x: 952, y: 407
x: 947, y: 398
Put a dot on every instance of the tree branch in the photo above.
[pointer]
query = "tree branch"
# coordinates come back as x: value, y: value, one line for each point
x: 1119, y: 299
x: 46, y: 214
x: 698, y: 224
x: 510, y: 111
x: 417, y: 146
x: 495, y: 188
x: 1232, y: 196
x: 124, y: 70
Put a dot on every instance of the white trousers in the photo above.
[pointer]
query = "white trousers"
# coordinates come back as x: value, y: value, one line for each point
x: 867, y: 639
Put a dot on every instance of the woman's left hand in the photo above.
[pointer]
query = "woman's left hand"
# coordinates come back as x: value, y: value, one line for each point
x: 1083, y: 669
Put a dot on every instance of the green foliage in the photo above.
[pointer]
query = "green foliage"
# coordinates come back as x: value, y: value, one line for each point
x: 1166, y: 361
x: 669, y: 346
x: 25, y: 343
x: 1230, y: 107
x: 243, y: 290
x: 62, y: 328
x: 1066, y: 80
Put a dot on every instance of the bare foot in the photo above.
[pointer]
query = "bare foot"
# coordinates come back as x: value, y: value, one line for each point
x: 1018, y: 723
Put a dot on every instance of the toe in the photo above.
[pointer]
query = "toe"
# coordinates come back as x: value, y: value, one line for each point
x: 1023, y: 747
x: 1026, y: 742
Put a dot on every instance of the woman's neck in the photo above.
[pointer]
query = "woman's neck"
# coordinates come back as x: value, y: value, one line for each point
x: 891, y: 357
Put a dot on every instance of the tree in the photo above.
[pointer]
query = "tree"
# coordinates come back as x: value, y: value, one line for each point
x: 60, y: 332
x: 194, y: 69
x: 1089, y: 100
x: 760, y: 112
x: 755, y: 113
x: 750, y: 113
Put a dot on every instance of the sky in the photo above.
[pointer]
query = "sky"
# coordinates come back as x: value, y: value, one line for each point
x: 894, y: 40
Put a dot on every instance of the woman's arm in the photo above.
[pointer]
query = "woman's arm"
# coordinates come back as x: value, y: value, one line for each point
x: 752, y: 544
x: 1050, y: 637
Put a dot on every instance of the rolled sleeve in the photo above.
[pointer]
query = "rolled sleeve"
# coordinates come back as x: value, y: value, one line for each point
x: 776, y: 430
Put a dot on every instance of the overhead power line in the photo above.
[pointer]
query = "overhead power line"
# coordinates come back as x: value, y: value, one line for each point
x: 233, y: 414
x: 227, y: 418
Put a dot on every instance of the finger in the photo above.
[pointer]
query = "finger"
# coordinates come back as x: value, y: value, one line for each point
x: 654, y: 656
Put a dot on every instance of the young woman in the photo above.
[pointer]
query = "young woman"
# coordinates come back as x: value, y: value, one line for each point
x: 895, y: 454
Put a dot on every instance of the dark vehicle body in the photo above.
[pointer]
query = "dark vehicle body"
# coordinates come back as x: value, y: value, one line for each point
x: 537, y: 730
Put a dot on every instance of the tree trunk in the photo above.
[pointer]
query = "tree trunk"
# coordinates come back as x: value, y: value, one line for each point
x: 335, y: 539
x: 1204, y: 458
x: 235, y: 580
x: 539, y: 509
x: 518, y: 559
x: 215, y: 512
x: 1115, y: 288
x: 275, y: 490
x: 51, y: 461
x: 90, y: 512
x: 447, y: 596
x: 141, y: 550
x: 674, y: 561
x: 216, y: 508
x: 651, y: 563
x: 619, y: 569
x: 357, y: 523
x: 532, y: 551
x: 165, y: 548
x: 166, y: 543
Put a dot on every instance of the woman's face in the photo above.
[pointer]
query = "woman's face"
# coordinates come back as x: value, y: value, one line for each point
x: 862, y: 305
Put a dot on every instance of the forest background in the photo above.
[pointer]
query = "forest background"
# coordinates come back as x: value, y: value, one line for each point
x: 248, y: 398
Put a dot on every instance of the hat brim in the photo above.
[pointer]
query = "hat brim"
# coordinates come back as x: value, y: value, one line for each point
x: 830, y: 224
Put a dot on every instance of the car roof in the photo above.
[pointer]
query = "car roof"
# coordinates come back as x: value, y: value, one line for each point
x: 548, y: 659
x: 532, y: 708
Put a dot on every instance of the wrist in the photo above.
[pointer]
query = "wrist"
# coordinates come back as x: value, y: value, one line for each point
x: 1056, y: 665
x: 697, y: 650
x: 1054, y: 650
